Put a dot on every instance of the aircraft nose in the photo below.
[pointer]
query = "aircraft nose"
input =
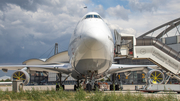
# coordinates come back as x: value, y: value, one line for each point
x: 94, y: 39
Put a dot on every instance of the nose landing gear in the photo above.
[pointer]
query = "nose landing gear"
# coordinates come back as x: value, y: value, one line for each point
x: 90, y: 82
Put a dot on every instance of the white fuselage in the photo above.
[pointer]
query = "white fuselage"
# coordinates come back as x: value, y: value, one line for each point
x: 91, y: 46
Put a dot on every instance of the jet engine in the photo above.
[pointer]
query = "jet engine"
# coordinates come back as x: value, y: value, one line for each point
x: 155, y: 76
x: 22, y: 76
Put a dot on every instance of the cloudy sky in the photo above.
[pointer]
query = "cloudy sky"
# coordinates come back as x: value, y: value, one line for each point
x: 30, y: 28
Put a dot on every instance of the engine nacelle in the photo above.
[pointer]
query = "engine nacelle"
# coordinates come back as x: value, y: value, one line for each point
x: 22, y: 76
x: 155, y: 76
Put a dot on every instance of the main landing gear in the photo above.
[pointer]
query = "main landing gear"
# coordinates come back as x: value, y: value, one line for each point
x: 77, y: 85
x: 60, y: 82
x: 114, y: 86
x: 91, y: 84
x: 88, y: 87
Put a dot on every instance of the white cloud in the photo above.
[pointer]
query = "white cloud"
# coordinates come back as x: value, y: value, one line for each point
x: 146, y: 5
x: 147, y: 18
x: 16, y: 22
x: 118, y: 12
x: 99, y: 9
x: 127, y: 30
x: 122, y: 30
x: 22, y: 47
x: 28, y: 31
x: 2, y: 26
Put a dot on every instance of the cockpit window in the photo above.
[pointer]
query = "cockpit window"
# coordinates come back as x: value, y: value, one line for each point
x: 92, y: 16
x: 89, y: 16
x: 97, y: 16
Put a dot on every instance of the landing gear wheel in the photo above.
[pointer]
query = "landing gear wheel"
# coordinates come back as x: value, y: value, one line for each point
x: 88, y: 87
x: 57, y: 87
x: 111, y: 87
x: 63, y: 87
x: 116, y: 87
x: 75, y: 87
x: 96, y: 87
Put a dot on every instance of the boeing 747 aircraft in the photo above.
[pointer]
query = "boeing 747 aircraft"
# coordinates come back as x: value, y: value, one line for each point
x: 91, y: 53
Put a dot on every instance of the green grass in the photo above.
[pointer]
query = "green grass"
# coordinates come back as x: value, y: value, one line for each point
x: 80, y: 95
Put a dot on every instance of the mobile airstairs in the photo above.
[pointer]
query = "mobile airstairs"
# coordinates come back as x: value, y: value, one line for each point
x: 160, y: 54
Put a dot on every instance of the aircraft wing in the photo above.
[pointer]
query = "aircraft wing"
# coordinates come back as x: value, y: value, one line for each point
x: 64, y: 68
x: 117, y: 68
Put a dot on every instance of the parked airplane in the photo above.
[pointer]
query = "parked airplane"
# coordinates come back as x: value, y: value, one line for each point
x: 91, y: 53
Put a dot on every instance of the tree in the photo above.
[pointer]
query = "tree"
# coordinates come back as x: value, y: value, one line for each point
x: 7, y: 80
